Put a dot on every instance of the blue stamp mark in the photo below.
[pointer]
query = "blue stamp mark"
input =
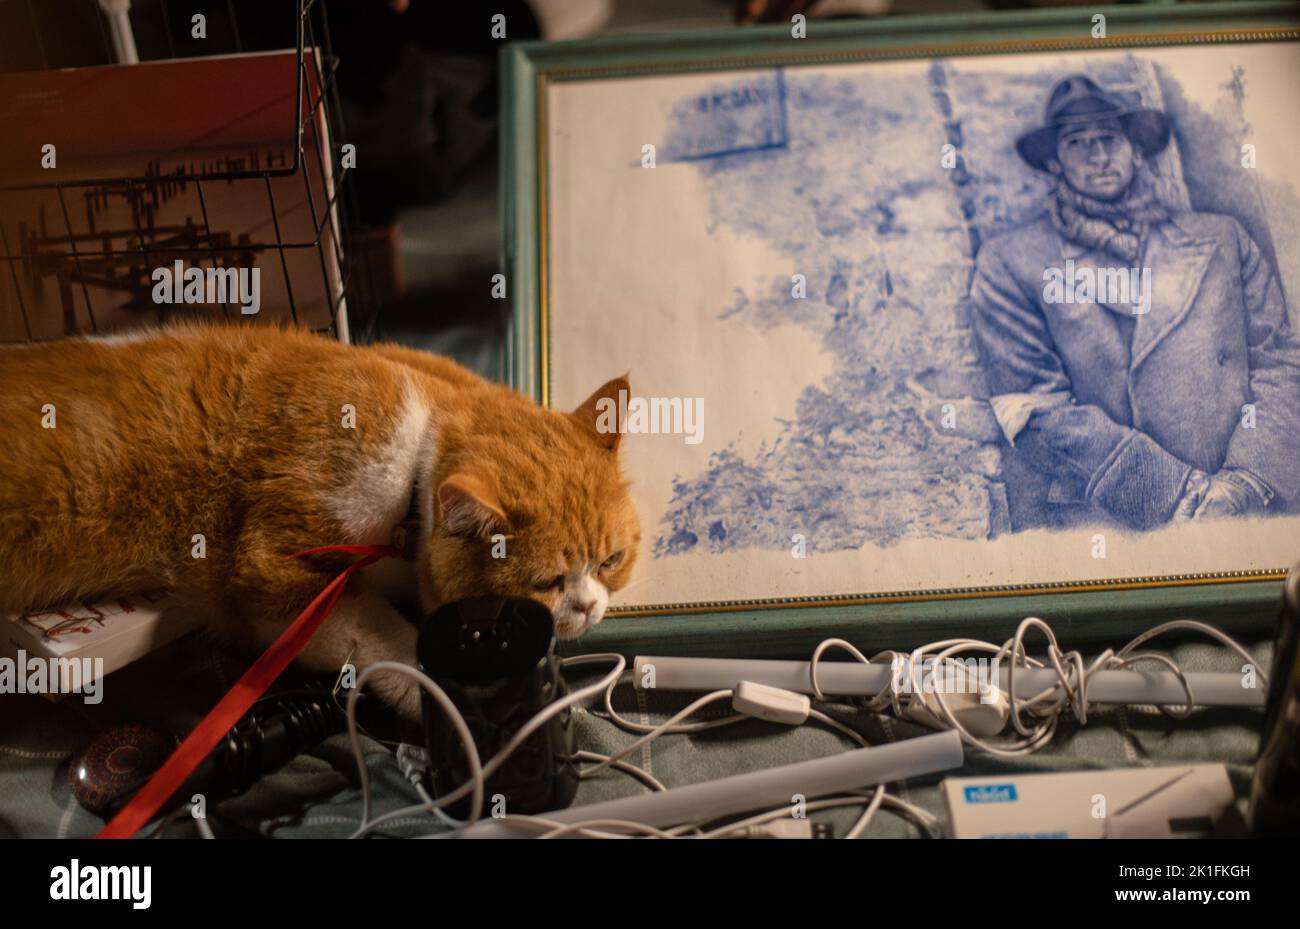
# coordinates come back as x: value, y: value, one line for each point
x: 744, y: 115
x: 991, y: 793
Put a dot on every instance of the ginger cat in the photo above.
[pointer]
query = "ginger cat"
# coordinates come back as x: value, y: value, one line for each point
x: 119, y: 451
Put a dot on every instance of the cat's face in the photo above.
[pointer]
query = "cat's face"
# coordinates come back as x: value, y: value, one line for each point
x: 531, y: 503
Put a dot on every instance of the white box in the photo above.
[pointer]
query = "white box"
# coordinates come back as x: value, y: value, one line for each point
x: 116, y: 632
x: 1182, y: 801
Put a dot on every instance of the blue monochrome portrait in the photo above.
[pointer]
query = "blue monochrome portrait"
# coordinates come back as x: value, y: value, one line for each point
x: 1120, y: 354
x: 1169, y: 388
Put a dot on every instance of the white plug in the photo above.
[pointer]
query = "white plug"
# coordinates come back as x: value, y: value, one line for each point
x: 983, y: 714
x: 786, y: 829
x: 772, y: 704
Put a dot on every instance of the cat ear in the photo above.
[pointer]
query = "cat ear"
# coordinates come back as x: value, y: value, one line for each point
x: 469, y: 507
x: 599, y: 413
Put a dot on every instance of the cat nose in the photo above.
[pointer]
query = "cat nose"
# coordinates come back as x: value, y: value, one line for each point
x: 587, y: 607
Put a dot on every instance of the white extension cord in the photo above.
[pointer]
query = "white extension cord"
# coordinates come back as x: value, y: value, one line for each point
x: 1063, y: 682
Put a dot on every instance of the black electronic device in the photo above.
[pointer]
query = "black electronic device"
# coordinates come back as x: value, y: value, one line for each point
x: 495, y: 659
x: 1275, y: 788
x: 282, y: 725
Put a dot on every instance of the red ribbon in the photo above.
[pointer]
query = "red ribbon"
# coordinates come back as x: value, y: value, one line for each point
x: 240, y: 698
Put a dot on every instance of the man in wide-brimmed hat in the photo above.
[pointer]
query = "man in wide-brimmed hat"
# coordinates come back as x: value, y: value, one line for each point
x: 1166, y: 388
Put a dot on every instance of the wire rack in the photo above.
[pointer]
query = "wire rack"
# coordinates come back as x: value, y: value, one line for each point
x: 103, y: 276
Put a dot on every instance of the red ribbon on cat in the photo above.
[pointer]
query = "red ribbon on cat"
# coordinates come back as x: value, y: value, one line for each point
x: 240, y: 698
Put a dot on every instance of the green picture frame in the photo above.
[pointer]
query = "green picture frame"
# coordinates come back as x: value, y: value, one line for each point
x: 1242, y: 601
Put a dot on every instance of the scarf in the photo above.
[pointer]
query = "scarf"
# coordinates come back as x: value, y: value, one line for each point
x: 1117, y: 226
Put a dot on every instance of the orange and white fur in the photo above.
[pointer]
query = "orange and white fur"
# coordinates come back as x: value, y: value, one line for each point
x: 119, y: 452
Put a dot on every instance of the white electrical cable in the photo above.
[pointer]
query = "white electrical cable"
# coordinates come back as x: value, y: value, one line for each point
x: 478, y: 773
x: 855, y: 679
x: 839, y: 727
x: 450, y: 822
x: 760, y: 789
x: 458, y: 723
x: 656, y: 731
x: 551, y: 829
x: 645, y: 777
x: 563, y: 829
x: 1069, y: 691
x: 631, y: 726
x: 813, y: 806
x: 867, y: 815
x: 887, y: 801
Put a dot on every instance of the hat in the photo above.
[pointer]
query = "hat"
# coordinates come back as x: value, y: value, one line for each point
x: 1077, y: 100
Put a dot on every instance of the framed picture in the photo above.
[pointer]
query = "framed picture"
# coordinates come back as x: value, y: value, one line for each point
x: 931, y: 324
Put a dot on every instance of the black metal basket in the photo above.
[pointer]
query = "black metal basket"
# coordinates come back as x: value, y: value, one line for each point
x: 121, y: 260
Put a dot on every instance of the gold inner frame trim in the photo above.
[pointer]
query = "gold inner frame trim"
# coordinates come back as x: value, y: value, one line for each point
x: 966, y: 593
x: 543, y: 78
